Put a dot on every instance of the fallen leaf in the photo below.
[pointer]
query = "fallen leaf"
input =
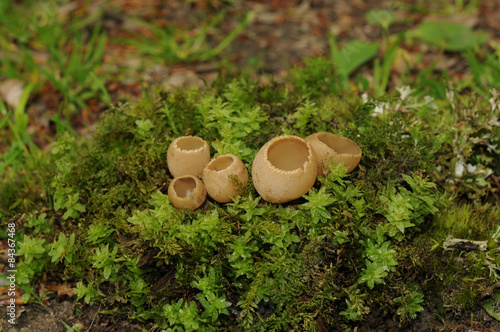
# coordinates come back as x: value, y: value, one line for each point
x: 61, y: 289
x: 5, y: 299
x: 11, y: 91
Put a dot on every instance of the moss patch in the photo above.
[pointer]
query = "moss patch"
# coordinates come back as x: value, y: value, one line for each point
x: 364, y: 243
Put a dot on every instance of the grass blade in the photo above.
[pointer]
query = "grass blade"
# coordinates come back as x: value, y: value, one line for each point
x: 232, y: 35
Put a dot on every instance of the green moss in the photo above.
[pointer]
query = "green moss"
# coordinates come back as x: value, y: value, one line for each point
x: 354, y: 244
x: 464, y: 297
x: 466, y: 221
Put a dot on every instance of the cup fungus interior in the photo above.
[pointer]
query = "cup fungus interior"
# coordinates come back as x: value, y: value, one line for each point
x: 220, y: 163
x: 288, y: 155
x: 340, y: 145
x: 190, y: 143
x: 184, y: 187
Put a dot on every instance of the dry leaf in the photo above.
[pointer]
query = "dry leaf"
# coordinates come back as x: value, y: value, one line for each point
x: 11, y: 91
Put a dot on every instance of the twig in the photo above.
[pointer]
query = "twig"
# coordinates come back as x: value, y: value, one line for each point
x: 495, y: 179
x: 93, y: 320
x: 497, y: 183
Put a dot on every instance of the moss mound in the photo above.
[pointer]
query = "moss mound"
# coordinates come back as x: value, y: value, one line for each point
x: 96, y: 212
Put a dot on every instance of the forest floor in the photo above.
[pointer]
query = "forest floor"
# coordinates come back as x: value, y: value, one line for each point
x: 278, y: 36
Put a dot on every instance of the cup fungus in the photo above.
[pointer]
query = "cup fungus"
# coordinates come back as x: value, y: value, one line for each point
x: 187, y: 155
x: 187, y: 192
x: 328, y: 146
x: 216, y: 177
x: 284, y: 169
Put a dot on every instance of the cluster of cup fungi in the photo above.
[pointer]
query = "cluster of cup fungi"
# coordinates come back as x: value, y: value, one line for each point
x: 284, y: 169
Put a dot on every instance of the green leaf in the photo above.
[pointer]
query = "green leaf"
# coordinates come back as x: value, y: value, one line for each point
x: 304, y: 113
x: 20, y: 117
x: 31, y: 248
x: 143, y: 127
x: 5, y: 117
x: 40, y: 223
x: 214, y: 306
x: 58, y: 248
x: 318, y: 200
x: 26, y: 297
x: 182, y: 314
x: 491, y: 308
x: 72, y: 206
x: 89, y: 293
x: 105, y: 259
x: 107, y: 272
x: 353, y: 55
x: 450, y: 36
x: 98, y: 232
x: 374, y: 273
x: 383, y: 17
x: 399, y: 208
x: 409, y: 303
x: 382, y: 254
x: 356, y: 307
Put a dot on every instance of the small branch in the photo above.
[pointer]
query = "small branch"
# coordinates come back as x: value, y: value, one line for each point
x: 497, y: 183
x: 495, y: 179
x: 462, y: 244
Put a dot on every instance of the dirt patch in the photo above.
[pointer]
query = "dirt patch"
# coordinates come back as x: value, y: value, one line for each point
x: 37, y: 318
x: 427, y: 321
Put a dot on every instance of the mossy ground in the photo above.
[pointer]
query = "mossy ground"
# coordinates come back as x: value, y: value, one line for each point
x: 95, y: 213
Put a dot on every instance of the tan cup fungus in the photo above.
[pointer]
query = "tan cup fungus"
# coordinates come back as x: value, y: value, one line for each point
x: 284, y: 169
x: 187, y: 192
x: 216, y: 177
x: 187, y: 155
x: 328, y: 146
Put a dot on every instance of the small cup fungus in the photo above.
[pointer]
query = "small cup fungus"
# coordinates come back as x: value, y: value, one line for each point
x: 216, y: 177
x: 328, y: 146
x: 187, y: 192
x: 284, y: 169
x: 187, y: 155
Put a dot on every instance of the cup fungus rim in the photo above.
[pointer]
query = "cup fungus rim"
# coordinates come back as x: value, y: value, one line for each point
x: 204, y: 144
x: 182, y: 177
x: 233, y: 157
x: 352, y: 144
x: 300, y: 169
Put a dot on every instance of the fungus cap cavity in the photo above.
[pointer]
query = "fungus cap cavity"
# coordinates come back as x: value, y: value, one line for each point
x: 187, y: 155
x: 339, y: 144
x: 217, y: 177
x: 187, y: 192
x: 220, y: 163
x: 288, y: 155
x: 184, y: 187
x: 284, y: 169
x: 329, y: 147
x: 190, y: 143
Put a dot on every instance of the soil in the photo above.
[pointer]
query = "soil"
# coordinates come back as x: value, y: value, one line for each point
x: 281, y: 35
x: 42, y: 318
